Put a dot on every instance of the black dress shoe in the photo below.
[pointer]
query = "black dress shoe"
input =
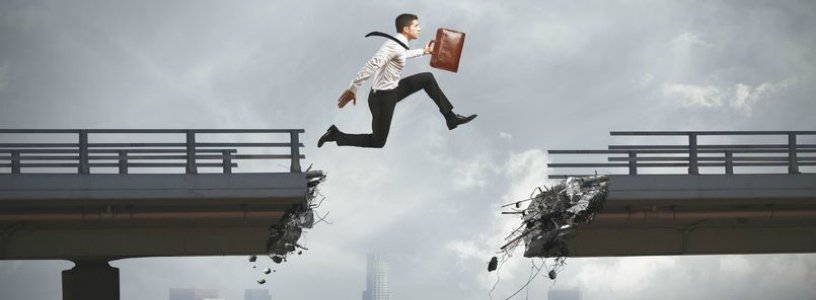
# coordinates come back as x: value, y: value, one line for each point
x: 330, y: 135
x: 457, y: 120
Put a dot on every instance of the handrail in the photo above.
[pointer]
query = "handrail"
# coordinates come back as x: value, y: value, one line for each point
x: 694, y: 155
x: 87, y: 151
x: 675, y: 133
x: 107, y: 131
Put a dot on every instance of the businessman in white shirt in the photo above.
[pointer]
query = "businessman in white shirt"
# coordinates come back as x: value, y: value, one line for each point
x: 388, y: 89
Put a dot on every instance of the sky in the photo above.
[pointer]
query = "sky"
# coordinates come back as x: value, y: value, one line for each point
x: 540, y: 74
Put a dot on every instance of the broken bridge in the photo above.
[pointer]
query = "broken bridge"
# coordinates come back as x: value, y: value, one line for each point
x: 704, y: 193
x: 92, y: 196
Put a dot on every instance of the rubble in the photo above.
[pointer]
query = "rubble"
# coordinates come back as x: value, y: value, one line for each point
x: 492, y: 265
x: 284, y: 235
x: 548, y: 221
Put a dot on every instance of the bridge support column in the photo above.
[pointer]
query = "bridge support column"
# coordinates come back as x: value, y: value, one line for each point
x: 90, y: 279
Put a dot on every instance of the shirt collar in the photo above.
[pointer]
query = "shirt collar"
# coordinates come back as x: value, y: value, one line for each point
x: 402, y: 38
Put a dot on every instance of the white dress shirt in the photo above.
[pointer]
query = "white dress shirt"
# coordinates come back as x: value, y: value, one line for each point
x: 386, y: 65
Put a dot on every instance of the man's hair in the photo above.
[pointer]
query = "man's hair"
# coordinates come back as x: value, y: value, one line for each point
x: 404, y: 20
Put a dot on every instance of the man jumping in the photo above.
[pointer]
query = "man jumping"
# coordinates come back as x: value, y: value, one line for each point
x: 388, y: 89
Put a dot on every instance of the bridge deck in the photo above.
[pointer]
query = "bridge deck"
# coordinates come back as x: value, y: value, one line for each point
x: 143, y: 192
x: 703, y: 214
x: 59, y: 216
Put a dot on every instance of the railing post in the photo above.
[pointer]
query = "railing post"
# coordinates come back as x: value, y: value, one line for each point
x: 295, y: 145
x: 15, y: 162
x: 123, y: 164
x: 793, y: 164
x: 191, y: 153
x: 692, y: 169
x: 632, y: 163
x: 729, y: 162
x: 227, y: 162
x: 84, y: 165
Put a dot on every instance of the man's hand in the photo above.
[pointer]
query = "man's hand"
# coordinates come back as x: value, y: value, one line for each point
x: 347, y: 96
x: 429, y: 47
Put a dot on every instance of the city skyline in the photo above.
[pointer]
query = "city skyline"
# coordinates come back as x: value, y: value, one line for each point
x: 193, y: 294
x: 376, y: 278
x: 257, y: 294
x: 564, y: 294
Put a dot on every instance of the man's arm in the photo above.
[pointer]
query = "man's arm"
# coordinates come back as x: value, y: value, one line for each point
x: 414, y: 53
x: 420, y: 52
x: 383, y: 55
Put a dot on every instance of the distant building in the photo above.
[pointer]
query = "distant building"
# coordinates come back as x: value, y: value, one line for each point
x: 376, y: 279
x: 194, y: 294
x: 257, y: 294
x: 564, y: 295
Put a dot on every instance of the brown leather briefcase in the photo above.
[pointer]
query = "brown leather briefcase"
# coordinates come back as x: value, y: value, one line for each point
x: 447, y: 49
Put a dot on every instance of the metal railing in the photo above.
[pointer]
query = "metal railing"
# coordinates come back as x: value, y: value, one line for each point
x: 17, y: 154
x: 694, y: 155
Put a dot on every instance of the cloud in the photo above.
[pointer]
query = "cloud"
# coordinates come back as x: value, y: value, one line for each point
x: 624, y: 277
x: 740, y: 97
x: 470, y: 174
x: 526, y: 170
x: 687, y: 40
x: 523, y: 171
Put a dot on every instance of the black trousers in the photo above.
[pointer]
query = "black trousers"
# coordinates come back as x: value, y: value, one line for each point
x: 382, y: 103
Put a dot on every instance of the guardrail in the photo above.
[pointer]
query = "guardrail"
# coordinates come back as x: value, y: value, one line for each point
x: 694, y: 155
x: 84, y: 154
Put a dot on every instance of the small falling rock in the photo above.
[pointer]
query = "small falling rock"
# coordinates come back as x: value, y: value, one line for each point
x: 300, y: 252
x: 552, y: 274
x: 267, y: 271
x: 254, y: 267
x: 491, y: 266
x: 253, y: 258
x: 277, y: 259
x: 261, y: 281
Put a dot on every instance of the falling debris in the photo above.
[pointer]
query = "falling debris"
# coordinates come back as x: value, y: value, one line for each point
x: 284, y: 235
x: 491, y: 266
x: 549, y: 219
x: 277, y: 259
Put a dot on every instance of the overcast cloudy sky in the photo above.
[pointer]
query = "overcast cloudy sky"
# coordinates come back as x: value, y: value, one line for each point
x: 540, y: 74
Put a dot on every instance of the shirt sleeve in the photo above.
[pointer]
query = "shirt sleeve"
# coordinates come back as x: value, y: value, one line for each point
x: 414, y: 53
x: 383, y: 55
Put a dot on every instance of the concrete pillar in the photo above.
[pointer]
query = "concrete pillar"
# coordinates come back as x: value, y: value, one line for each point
x: 90, y: 279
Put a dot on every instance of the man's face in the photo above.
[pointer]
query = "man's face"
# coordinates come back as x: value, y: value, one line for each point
x: 411, y: 31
